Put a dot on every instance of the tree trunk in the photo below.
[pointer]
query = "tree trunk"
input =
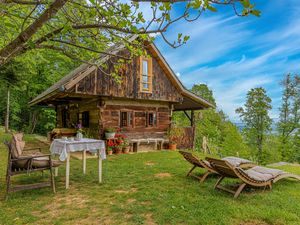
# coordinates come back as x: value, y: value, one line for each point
x: 33, y: 121
x: 7, y: 110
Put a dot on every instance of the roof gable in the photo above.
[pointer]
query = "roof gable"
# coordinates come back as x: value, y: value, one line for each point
x: 191, y: 100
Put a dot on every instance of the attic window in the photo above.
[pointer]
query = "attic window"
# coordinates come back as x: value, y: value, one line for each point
x: 145, y: 74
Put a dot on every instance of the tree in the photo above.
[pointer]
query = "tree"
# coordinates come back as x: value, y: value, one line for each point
x: 36, y: 72
x: 289, y: 121
x: 8, y: 75
x: 223, y: 136
x: 256, y: 118
x: 83, y: 29
x: 203, y: 91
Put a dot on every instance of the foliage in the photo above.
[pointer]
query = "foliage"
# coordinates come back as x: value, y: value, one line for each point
x: 83, y: 30
x: 256, y: 118
x: 110, y: 130
x: 175, y: 135
x: 223, y: 136
x: 203, y: 91
x: 289, y: 115
x: 35, y: 72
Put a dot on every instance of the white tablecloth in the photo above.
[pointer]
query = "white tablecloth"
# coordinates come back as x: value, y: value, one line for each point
x: 63, y: 147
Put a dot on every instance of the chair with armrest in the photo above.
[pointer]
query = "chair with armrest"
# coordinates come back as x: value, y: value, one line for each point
x: 22, y: 163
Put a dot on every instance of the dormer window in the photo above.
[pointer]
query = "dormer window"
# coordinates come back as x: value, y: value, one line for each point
x: 145, y: 74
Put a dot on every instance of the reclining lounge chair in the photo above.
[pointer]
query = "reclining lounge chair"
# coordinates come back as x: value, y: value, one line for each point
x: 196, y: 162
x: 256, y: 176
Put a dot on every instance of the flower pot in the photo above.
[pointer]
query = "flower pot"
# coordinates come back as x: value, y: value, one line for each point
x: 117, y: 150
x: 109, y: 152
x: 126, y: 149
x: 172, y: 146
x: 79, y: 136
x: 110, y: 135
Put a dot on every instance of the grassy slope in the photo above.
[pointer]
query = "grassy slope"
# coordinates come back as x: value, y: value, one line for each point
x: 132, y: 194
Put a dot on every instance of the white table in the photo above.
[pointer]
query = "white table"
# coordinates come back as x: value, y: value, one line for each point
x: 63, y: 148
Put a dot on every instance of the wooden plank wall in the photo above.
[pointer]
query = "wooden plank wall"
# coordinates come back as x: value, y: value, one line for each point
x: 129, y: 86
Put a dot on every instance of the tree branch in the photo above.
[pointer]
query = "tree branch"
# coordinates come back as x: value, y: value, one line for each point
x: 89, y: 49
x: 15, y: 46
x: 20, y: 2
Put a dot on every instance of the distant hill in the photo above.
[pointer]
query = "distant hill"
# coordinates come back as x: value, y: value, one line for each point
x: 241, y: 125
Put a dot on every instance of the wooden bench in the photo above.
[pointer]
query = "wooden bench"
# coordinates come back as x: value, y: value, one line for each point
x: 159, y: 142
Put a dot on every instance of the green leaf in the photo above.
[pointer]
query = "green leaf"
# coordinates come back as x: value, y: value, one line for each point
x: 256, y: 12
x: 245, y: 3
x: 210, y: 8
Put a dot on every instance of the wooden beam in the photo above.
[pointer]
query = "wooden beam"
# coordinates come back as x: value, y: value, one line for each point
x: 187, y: 115
x: 192, y: 118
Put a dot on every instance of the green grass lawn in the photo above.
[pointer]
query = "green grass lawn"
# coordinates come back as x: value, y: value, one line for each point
x: 145, y: 188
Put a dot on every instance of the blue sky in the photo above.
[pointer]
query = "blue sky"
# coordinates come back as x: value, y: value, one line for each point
x: 232, y: 54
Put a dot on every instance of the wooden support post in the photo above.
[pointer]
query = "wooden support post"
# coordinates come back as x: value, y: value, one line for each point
x: 68, y: 171
x: 193, y: 125
x: 99, y: 166
x: 192, y: 118
x: 56, y: 171
x: 84, y: 161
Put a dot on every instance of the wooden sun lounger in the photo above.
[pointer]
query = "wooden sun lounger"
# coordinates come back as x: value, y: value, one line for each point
x: 196, y: 162
x: 256, y: 176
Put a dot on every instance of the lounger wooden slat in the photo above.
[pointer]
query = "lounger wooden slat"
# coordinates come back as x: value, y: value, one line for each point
x: 196, y: 162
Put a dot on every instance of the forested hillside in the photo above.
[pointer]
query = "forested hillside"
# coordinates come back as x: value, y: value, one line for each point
x: 224, y: 138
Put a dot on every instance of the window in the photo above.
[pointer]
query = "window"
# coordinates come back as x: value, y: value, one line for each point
x: 145, y: 74
x: 64, y: 118
x: 126, y: 119
x: 151, y: 121
x: 84, y: 119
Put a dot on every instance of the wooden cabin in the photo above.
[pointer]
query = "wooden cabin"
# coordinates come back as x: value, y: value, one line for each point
x: 141, y: 104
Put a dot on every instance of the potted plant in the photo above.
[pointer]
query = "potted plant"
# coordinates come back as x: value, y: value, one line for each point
x: 110, y: 146
x: 119, y: 140
x: 125, y: 146
x: 172, y: 145
x: 110, y: 133
x: 175, y: 135
x: 79, y: 134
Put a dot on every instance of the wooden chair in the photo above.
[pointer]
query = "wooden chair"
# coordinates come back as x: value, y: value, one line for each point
x: 19, y: 163
x: 196, y: 162
x: 256, y: 176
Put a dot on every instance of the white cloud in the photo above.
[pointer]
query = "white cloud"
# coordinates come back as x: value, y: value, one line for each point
x: 231, y: 55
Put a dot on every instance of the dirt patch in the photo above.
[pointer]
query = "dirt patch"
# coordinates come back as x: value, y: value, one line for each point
x: 254, y: 222
x: 131, y: 190
x: 146, y: 203
x: 149, y: 219
x: 60, y: 205
x: 150, y: 163
x: 162, y: 175
x: 131, y: 200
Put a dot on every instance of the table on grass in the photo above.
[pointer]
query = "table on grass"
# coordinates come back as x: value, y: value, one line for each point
x: 63, y: 148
